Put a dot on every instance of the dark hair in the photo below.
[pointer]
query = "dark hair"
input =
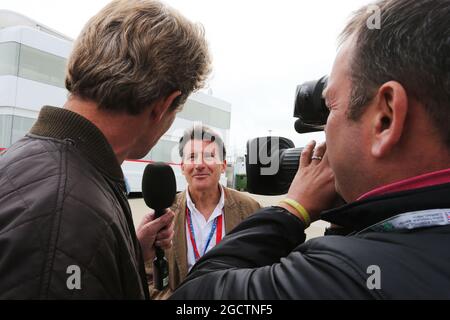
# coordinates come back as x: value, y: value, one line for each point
x: 411, y: 47
x: 204, y: 133
x: 134, y: 52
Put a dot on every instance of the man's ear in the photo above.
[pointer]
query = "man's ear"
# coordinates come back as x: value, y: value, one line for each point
x: 390, y: 116
x: 161, y: 106
x: 224, y: 166
x: 182, y: 168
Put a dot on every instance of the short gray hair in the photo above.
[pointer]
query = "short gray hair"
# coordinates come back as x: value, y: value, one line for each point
x: 204, y: 133
x: 412, y: 47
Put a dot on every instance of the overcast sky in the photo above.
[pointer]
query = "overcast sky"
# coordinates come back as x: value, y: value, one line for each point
x: 261, y: 51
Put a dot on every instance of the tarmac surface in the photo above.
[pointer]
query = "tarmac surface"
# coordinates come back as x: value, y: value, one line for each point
x: 139, y: 209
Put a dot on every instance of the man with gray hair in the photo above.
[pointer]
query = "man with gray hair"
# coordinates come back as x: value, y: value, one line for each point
x: 387, y: 154
x: 66, y: 229
x: 206, y: 211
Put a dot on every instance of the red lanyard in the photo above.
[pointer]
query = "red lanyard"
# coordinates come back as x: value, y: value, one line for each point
x: 216, y: 225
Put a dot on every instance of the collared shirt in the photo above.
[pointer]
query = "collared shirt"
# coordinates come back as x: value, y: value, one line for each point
x: 422, y: 181
x: 202, y: 228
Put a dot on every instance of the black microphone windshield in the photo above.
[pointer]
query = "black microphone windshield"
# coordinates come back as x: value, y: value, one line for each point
x: 159, y: 186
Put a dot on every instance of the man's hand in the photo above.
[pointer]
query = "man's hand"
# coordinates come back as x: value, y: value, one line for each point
x: 313, y: 185
x: 155, y: 232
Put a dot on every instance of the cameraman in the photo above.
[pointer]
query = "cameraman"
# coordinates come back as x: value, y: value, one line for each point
x: 387, y: 155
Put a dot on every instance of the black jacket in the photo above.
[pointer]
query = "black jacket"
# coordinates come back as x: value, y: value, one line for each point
x: 63, y: 204
x: 265, y: 257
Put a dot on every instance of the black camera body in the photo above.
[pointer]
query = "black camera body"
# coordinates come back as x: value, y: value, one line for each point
x: 272, y: 162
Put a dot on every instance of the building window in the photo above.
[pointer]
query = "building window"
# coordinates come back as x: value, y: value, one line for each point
x: 42, y: 67
x: 20, y: 127
x: 5, y: 130
x: 29, y: 63
x: 199, y: 112
x: 9, y: 58
x: 164, y: 151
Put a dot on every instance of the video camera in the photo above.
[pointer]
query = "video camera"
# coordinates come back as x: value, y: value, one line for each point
x: 272, y: 162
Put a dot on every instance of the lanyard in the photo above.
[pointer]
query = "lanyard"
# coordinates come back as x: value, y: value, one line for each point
x: 217, y: 224
x: 412, y: 220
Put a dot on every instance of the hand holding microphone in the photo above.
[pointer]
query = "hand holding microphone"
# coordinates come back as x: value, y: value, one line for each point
x: 157, y: 232
x: 159, y: 190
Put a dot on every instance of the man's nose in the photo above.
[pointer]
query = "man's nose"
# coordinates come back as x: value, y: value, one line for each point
x: 199, y: 162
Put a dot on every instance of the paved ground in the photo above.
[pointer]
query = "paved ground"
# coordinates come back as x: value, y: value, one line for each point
x: 316, y: 229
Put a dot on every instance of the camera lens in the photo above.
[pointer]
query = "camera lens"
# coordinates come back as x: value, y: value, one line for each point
x: 271, y: 164
x: 310, y: 107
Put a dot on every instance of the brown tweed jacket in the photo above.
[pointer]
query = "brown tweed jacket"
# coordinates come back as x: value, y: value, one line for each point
x: 238, y: 206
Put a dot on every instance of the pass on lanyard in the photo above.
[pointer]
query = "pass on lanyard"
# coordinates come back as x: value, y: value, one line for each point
x: 217, y: 224
x: 413, y: 220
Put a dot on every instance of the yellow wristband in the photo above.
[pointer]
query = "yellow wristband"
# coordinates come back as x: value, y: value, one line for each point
x: 300, y: 209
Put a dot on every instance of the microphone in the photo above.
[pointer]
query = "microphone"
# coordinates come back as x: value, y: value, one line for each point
x: 159, y: 188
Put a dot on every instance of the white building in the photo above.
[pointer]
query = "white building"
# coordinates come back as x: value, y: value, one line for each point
x: 32, y: 73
